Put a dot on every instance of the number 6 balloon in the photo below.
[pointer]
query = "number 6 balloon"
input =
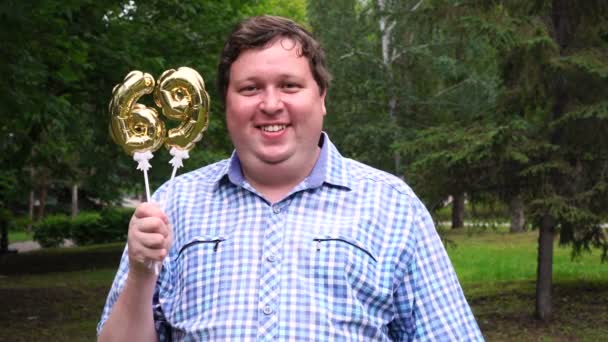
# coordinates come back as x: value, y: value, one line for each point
x: 134, y: 126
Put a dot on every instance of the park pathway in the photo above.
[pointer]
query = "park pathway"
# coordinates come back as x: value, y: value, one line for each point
x: 27, y: 246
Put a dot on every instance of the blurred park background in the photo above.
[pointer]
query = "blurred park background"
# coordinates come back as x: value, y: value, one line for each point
x: 495, y: 112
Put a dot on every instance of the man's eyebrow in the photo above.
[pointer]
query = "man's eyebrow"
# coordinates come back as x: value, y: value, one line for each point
x: 245, y: 79
x: 280, y: 76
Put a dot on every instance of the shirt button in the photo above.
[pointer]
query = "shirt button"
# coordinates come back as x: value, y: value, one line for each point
x: 276, y: 209
x: 271, y: 258
x: 268, y: 310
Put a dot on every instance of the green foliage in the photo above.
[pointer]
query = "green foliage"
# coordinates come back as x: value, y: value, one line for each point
x: 540, y: 135
x: 293, y: 9
x: 500, y: 100
x: 19, y: 236
x: 358, y: 118
x: 62, y: 61
x: 87, y: 228
x: 51, y: 231
x: 481, y: 212
x: 110, y: 225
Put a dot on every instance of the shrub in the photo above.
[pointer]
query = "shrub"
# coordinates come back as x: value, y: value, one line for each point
x: 52, y: 230
x: 87, y: 228
x: 20, y: 224
x: 110, y: 225
x: 116, y: 221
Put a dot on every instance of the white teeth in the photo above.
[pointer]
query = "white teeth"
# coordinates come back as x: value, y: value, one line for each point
x: 273, y: 128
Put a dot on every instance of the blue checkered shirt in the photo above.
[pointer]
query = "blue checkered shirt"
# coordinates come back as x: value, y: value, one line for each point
x: 351, y: 254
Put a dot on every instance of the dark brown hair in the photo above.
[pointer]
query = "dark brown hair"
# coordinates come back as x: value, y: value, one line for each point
x: 259, y: 32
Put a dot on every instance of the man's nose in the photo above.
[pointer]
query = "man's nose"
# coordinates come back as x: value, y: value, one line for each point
x: 272, y: 101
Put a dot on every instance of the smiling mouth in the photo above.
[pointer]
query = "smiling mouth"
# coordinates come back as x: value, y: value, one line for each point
x: 273, y: 128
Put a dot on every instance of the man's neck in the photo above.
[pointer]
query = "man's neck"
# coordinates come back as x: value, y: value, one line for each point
x: 275, y: 181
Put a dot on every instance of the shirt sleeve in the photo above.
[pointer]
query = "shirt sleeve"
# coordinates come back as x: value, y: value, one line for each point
x: 428, y: 299
x: 115, y: 290
x: 163, y: 329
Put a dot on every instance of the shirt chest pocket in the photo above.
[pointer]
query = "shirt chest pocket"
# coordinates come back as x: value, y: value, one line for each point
x: 338, y: 252
x: 197, y: 277
x: 343, y: 269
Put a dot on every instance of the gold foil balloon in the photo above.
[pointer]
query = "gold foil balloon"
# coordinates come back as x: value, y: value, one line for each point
x: 181, y: 95
x: 134, y: 126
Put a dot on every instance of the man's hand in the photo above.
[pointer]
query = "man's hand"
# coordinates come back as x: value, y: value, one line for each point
x: 149, y: 240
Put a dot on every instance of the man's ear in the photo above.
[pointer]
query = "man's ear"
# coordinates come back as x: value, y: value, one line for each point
x: 323, y: 95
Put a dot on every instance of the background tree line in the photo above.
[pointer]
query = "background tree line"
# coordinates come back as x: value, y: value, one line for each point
x: 499, y: 100
x: 495, y: 101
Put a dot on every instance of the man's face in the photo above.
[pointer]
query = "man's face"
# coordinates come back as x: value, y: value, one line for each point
x: 274, y: 109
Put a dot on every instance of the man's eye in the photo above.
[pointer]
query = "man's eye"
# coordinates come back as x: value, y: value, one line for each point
x: 291, y: 86
x: 248, y: 89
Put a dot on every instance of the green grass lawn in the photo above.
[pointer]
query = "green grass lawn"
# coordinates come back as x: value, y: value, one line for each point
x: 498, y: 256
x: 19, y: 236
x: 498, y: 270
x: 58, y: 294
x: 55, y: 294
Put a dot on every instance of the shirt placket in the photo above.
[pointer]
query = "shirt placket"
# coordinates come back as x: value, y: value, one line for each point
x: 270, y: 278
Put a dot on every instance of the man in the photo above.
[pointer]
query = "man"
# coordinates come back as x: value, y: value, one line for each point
x: 287, y: 239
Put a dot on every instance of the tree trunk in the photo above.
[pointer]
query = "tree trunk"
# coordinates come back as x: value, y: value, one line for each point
x: 561, y: 35
x: 458, y: 210
x: 41, y: 202
x: 30, y: 209
x: 74, y: 200
x: 3, y: 235
x: 473, y: 208
x: 544, y: 274
x: 43, y: 189
x: 386, y: 31
x: 516, y: 209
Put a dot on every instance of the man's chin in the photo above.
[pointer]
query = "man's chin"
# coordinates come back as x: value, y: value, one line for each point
x: 273, y: 160
x: 273, y: 156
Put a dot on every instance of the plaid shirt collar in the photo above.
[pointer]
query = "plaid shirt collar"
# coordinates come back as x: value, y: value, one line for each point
x: 328, y: 169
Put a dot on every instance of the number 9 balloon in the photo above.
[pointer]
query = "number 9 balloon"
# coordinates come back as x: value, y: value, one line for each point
x: 181, y: 95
